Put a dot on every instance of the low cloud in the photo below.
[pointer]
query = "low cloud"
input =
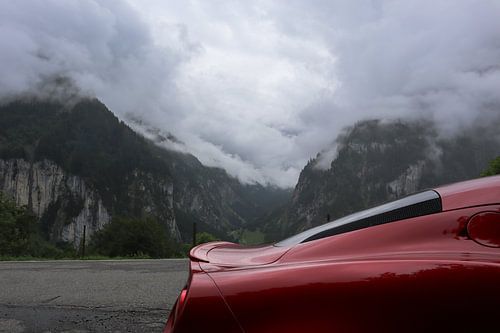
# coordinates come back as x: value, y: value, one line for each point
x: 260, y: 87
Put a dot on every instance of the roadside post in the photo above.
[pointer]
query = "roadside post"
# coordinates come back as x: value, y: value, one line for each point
x: 194, y: 234
x: 83, y: 241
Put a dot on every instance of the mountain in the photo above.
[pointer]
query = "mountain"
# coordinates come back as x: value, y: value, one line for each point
x: 218, y: 203
x: 377, y: 161
x: 76, y: 164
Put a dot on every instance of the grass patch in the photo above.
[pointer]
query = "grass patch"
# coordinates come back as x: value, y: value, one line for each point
x: 252, y: 237
x: 90, y: 257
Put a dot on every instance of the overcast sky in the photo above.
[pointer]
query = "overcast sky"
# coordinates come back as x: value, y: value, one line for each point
x: 259, y: 87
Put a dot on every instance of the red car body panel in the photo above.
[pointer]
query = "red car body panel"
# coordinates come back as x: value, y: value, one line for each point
x: 434, y: 272
x: 476, y: 192
x: 203, y: 306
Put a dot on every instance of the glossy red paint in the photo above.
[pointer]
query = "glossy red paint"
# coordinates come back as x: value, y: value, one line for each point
x: 203, y: 310
x: 182, y: 297
x: 231, y: 254
x: 420, y: 274
x: 477, y: 192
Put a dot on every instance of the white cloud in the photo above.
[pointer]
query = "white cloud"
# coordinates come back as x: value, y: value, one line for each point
x: 259, y: 87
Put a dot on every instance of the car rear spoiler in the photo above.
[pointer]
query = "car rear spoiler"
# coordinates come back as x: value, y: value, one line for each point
x: 200, y: 252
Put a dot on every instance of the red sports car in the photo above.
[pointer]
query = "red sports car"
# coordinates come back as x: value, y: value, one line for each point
x: 428, y: 262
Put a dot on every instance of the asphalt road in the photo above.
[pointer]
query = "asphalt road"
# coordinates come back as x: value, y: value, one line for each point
x: 89, y: 296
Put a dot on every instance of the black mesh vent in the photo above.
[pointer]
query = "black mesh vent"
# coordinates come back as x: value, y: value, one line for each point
x: 419, y: 209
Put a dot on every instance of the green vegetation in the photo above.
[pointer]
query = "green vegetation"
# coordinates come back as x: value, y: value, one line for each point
x: 22, y: 239
x: 493, y: 168
x: 16, y: 227
x: 128, y: 237
x: 20, y: 235
x: 72, y: 257
x: 249, y: 237
x: 205, y: 237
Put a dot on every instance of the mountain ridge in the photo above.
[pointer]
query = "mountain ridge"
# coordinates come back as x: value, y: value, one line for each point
x: 84, y: 146
x: 378, y: 161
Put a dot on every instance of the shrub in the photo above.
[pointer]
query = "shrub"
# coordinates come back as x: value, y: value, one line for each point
x: 129, y: 237
x: 205, y: 237
x: 17, y: 225
x: 493, y: 168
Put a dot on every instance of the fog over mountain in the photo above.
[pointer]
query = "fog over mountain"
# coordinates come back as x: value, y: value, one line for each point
x: 259, y: 87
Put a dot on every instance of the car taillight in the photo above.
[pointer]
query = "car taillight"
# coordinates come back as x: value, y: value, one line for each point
x: 178, y: 306
x: 176, y: 311
x: 182, y: 298
x: 181, y: 301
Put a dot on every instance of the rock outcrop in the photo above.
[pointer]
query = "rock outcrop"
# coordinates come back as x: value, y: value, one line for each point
x: 64, y: 202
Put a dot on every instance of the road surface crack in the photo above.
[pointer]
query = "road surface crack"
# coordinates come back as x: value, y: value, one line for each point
x: 50, y: 300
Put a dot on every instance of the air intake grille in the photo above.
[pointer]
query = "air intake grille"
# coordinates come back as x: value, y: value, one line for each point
x: 418, y: 209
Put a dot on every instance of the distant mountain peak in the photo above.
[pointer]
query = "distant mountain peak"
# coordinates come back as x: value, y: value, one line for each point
x: 376, y: 161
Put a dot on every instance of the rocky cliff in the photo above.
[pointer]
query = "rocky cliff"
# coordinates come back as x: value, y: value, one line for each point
x: 379, y: 161
x: 65, y: 203
x: 219, y: 204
